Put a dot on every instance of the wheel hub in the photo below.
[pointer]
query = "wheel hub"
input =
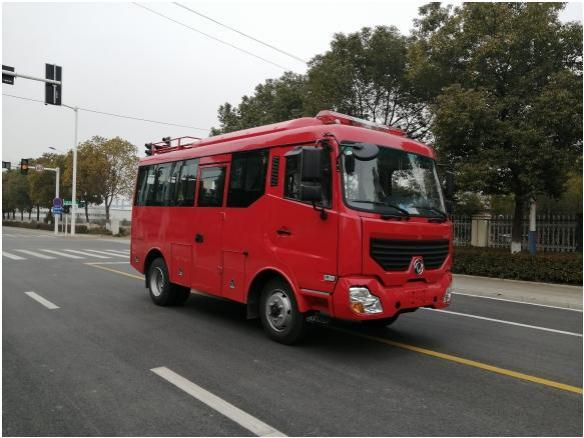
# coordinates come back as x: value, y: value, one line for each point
x: 278, y: 310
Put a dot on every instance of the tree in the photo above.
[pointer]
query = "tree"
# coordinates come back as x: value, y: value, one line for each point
x: 363, y: 74
x: 8, y: 194
x: 42, y: 184
x: 15, y: 193
x: 505, y: 84
x: 274, y: 101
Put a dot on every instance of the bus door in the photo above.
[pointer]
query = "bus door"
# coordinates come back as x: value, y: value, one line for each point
x: 303, y: 241
x: 207, y: 229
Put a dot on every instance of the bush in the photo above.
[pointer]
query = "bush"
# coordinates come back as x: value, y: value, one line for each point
x: 33, y: 225
x: 563, y: 268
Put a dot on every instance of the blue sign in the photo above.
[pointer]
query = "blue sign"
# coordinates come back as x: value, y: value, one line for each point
x: 57, y: 202
x: 56, y: 210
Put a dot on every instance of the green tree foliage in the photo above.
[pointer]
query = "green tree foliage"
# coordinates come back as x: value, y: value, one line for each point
x: 505, y: 81
x: 106, y: 169
x: 274, y: 101
x: 15, y: 193
x: 363, y: 74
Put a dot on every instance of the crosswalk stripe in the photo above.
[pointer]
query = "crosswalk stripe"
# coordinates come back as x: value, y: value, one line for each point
x: 62, y: 254
x: 87, y: 254
x: 105, y: 253
x: 119, y: 251
x: 35, y: 254
x: 12, y: 256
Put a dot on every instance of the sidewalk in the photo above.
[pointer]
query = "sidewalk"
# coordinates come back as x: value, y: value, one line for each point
x: 525, y: 291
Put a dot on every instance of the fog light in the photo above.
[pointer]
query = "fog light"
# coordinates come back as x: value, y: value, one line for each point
x: 362, y: 301
x: 447, y: 295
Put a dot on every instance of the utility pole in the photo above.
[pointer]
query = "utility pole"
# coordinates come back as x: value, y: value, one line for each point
x: 74, y: 182
x: 532, y: 235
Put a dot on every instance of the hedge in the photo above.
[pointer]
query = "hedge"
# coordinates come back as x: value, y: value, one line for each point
x: 79, y: 229
x: 563, y: 268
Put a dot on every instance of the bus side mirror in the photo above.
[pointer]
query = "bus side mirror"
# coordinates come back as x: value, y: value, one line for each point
x: 310, y: 176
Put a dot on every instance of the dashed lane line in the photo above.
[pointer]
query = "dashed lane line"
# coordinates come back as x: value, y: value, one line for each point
x: 35, y: 254
x: 42, y: 300
x: 12, y: 256
x: 427, y: 352
x: 245, y: 420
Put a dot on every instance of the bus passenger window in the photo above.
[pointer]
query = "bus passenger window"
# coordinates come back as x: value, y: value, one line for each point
x: 156, y: 197
x: 247, y: 181
x: 187, y: 180
x: 211, y: 187
x: 142, y: 185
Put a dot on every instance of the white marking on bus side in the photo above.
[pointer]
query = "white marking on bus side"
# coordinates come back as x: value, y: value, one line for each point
x: 12, y: 256
x: 36, y: 254
x: 105, y: 253
x: 87, y: 254
x: 535, y: 327
x: 41, y: 300
x: 242, y: 418
x: 62, y: 254
x: 516, y: 301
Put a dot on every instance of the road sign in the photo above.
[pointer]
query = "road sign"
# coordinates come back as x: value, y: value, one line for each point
x: 39, y: 168
x: 68, y: 202
x: 57, y: 202
x: 56, y: 210
x: 7, y: 79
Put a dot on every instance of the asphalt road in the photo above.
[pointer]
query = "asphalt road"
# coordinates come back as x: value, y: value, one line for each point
x: 85, y: 367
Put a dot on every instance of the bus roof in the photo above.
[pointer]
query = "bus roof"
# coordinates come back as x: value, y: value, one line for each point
x: 298, y: 131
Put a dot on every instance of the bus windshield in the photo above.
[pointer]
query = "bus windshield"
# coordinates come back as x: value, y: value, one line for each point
x: 394, y: 183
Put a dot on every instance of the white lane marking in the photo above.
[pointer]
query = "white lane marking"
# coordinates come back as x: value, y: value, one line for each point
x: 516, y: 301
x: 41, y: 300
x: 35, y: 254
x: 105, y: 253
x: 12, y: 256
x: 108, y: 263
x: 118, y: 251
x: 87, y: 254
x: 62, y: 254
x: 505, y: 322
x: 242, y: 418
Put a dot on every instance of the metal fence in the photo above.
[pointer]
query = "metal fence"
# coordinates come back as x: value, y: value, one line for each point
x: 559, y: 233
x: 462, y: 230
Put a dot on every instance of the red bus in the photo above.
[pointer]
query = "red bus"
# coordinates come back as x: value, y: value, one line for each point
x: 330, y: 215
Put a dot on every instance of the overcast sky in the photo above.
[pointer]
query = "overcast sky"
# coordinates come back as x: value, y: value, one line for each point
x: 120, y: 58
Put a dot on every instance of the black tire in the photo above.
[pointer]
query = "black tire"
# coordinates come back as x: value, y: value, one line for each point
x: 380, y: 323
x: 279, y: 313
x: 162, y: 291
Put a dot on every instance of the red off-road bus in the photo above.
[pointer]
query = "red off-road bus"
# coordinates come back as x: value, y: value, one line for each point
x: 331, y: 215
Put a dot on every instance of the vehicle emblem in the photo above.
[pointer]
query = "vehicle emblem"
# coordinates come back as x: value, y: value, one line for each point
x: 419, y: 265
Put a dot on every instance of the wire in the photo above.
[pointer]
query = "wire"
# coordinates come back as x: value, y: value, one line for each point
x: 241, y: 33
x: 211, y: 37
x: 89, y: 110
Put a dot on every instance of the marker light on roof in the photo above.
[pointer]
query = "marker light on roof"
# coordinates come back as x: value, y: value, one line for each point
x: 331, y: 117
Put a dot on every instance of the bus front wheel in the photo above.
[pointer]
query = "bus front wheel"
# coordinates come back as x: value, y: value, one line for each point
x: 162, y: 291
x: 279, y: 313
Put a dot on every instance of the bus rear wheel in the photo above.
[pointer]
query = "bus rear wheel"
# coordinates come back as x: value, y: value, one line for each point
x: 162, y: 291
x: 279, y: 313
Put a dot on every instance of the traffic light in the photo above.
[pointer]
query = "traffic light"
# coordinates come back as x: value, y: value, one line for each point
x: 166, y: 140
x: 66, y: 209
x: 7, y: 79
x: 53, y: 92
x: 148, y: 150
x: 24, y: 166
x: 6, y: 165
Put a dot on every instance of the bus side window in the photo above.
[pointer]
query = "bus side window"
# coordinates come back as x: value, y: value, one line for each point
x: 247, y: 177
x: 211, y: 187
x: 141, y: 186
x: 161, y: 176
x: 187, y: 180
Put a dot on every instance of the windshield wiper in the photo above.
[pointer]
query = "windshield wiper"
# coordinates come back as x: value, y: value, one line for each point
x: 401, y: 211
x: 433, y: 210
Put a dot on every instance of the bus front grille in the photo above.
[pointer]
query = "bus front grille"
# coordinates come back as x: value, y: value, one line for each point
x: 396, y: 255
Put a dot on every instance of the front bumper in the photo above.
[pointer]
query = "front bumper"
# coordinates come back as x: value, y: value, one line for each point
x: 394, y: 299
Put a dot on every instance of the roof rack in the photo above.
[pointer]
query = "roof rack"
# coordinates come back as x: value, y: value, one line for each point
x: 170, y: 144
x: 332, y: 117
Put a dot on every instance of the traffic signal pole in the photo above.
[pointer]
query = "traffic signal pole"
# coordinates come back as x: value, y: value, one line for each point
x: 33, y: 78
x: 74, y: 182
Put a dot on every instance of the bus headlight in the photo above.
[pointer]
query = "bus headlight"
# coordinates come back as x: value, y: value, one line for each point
x: 362, y: 301
x: 447, y: 295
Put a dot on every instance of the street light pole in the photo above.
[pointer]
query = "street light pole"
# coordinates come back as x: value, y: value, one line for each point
x: 74, y: 187
x: 55, y: 216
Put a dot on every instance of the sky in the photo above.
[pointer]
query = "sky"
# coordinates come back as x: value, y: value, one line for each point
x: 120, y: 58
